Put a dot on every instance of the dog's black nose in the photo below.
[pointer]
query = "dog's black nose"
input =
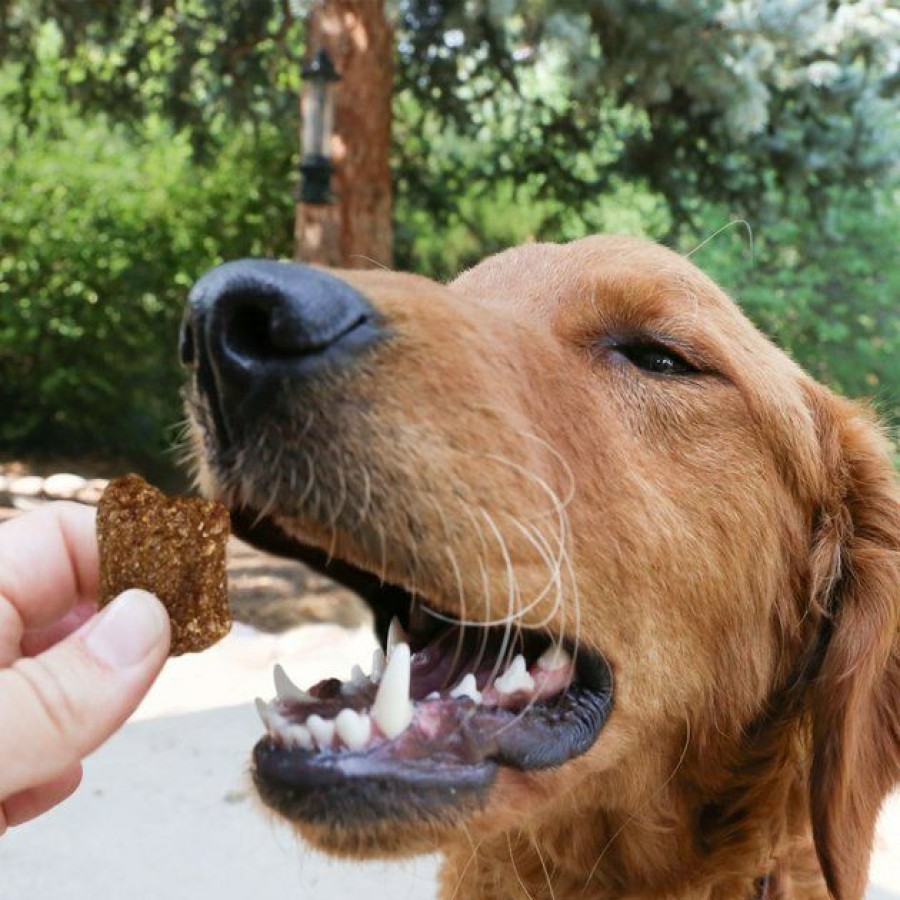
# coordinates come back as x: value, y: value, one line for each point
x: 253, y: 325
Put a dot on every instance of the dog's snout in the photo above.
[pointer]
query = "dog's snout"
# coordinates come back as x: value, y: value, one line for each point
x: 252, y: 324
x: 254, y: 312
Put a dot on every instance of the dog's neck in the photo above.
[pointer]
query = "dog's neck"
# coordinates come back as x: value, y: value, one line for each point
x: 529, y: 872
x: 517, y: 866
x: 675, y: 844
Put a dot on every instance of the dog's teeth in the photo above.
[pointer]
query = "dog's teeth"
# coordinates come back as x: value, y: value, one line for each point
x: 392, y: 709
x: 554, y: 658
x: 353, y: 729
x: 263, y: 709
x: 285, y: 688
x: 358, y: 679
x: 515, y: 678
x: 395, y: 636
x: 467, y: 688
x: 321, y: 729
x: 377, y: 664
x: 299, y: 736
x: 434, y: 695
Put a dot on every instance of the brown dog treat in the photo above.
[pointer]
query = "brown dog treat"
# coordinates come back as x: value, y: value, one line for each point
x: 173, y: 547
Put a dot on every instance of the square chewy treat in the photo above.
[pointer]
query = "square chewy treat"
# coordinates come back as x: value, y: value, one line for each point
x: 173, y: 547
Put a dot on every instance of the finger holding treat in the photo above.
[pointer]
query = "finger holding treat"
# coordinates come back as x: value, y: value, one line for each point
x: 68, y: 679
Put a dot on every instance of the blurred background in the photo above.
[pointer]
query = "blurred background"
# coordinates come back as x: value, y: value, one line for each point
x: 144, y: 141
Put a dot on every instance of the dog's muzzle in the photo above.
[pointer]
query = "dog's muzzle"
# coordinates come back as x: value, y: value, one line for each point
x: 299, y: 426
x: 255, y: 327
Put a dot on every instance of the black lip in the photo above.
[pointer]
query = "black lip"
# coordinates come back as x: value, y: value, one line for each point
x: 343, y: 787
x: 414, y: 777
x: 332, y: 789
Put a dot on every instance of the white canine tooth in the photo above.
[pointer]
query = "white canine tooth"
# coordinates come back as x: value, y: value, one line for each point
x: 434, y: 695
x: 321, y: 729
x: 299, y: 736
x: 263, y: 709
x: 396, y: 635
x: 353, y: 729
x: 392, y: 709
x: 515, y: 678
x: 378, y: 663
x: 467, y: 688
x: 554, y: 658
x: 285, y: 688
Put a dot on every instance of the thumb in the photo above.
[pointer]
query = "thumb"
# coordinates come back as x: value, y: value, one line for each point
x: 58, y: 707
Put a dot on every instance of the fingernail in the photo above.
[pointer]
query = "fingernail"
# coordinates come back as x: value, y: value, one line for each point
x: 126, y: 630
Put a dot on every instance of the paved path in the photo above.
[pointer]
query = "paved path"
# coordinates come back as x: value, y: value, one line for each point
x: 166, y: 810
x: 166, y: 813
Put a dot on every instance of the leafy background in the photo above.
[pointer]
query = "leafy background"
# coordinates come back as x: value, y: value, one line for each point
x: 142, y: 142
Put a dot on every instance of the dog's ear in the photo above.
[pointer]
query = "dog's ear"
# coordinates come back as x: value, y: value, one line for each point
x: 855, y: 691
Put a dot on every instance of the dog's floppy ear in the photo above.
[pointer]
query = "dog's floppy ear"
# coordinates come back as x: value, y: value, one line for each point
x: 855, y: 691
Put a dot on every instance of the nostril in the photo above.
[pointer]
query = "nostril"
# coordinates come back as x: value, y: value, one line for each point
x: 267, y: 325
x: 248, y: 331
x: 290, y: 340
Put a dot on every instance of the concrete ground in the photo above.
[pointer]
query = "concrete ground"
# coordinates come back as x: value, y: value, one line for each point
x: 166, y: 811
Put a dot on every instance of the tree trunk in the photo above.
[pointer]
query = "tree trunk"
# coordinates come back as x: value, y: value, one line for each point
x: 356, y: 230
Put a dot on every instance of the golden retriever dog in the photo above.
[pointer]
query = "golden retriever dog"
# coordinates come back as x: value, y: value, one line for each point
x: 635, y: 575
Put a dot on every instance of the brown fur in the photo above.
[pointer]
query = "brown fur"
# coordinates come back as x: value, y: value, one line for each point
x: 731, y: 544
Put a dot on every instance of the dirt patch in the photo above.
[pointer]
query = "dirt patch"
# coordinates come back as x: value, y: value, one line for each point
x: 274, y: 594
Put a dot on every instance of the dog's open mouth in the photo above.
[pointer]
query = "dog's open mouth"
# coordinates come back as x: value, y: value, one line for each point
x: 428, y: 721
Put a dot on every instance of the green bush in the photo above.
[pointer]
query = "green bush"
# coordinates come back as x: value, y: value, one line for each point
x: 103, y: 230
x: 101, y: 235
x: 827, y: 292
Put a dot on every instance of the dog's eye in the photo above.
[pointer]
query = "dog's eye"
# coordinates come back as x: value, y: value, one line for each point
x: 654, y: 357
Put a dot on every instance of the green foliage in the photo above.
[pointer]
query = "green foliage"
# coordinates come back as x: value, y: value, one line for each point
x: 745, y: 102
x: 483, y: 221
x: 828, y: 292
x: 736, y: 101
x: 198, y: 64
x: 102, y: 233
x: 144, y: 141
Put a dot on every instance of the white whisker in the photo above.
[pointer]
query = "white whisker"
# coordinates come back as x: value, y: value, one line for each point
x: 515, y: 869
x: 733, y: 223
x: 631, y: 818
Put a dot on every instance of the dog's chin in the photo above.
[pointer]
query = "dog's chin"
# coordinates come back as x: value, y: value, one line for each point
x: 363, y: 817
x: 379, y: 821
x: 397, y: 758
x: 384, y: 839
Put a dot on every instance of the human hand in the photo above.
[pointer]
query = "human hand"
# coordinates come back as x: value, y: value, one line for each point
x: 69, y: 678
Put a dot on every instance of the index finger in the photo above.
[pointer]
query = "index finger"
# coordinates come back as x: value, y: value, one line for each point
x: 48, y: 562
